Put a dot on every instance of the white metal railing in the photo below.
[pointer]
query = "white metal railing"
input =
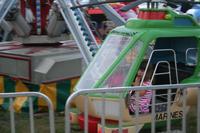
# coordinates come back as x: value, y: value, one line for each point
x: 11, y: 97
x: 153, y: 114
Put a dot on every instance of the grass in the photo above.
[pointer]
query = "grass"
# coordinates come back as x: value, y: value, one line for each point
x: 191, y: 121
x: 42, y: 122
x: 22, y: 123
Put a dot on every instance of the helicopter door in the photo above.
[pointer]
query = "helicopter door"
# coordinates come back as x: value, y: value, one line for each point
x: 163, y: 67
x: 174, y: 59
x: 182, y: 58
x: 152, y: 69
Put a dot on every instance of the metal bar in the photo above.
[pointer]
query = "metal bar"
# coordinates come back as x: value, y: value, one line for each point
x: 103, y: 113
x: 135, y: 88
x: 162, y: 73
x: 5, y: 7
x: 6, y: 28
x: 32, y: 129
x: 12, y: 116
x: 153, y: 113
x: 30, y: 94
x: 175, y: 62
x: 51, y: 119
x: 154, y: 72
x: 120, y: 115
x: 169, y: 103
x: 161, y: 95
x: 101, y: 90
x: 163, y: 103
x: 169, y: 112
x: 67, y: 117
x: 86, y: 114
x: 184, y: 112
x: 137, y: 110
x: 198, y: 111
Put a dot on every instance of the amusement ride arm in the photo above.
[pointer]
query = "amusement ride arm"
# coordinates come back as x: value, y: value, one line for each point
x: 79, y: 29
x: 111, y: 14
x: 5, y: 6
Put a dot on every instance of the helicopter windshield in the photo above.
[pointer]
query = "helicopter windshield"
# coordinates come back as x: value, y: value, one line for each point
x: 107, y: 54
x: 118, y: 76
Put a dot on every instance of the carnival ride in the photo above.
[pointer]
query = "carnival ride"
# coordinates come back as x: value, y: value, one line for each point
x: 35, y: 55
x: 38, y: 62
x: 166, y: 39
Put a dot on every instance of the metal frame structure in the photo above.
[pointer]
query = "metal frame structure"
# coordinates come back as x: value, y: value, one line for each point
x: 5, y: 6
x: 163, y: 73
x: 103, y: 91
x: 111, y: 14
x: 11, y: 96
x: 155, y: 74
x: 162, y: 50
x: 79, y: 28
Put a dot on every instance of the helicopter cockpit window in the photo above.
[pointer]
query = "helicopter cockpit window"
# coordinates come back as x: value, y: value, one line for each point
x: 118, y: 77
x: 108, y: 53
x: 183, y: 22
x: 191, y: 56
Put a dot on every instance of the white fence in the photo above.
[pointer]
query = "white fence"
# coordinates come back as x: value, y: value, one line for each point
x: 11, y: 96
x: 175, y: 107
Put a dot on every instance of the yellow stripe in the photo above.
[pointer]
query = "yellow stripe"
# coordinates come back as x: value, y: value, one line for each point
x: 1, y: 88
x: 19, y: 101
x: 50, y: 91
x: 73, y: 83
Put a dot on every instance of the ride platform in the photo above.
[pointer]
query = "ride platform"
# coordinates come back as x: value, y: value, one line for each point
x: 51, y: 70
x: 40, y: 64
